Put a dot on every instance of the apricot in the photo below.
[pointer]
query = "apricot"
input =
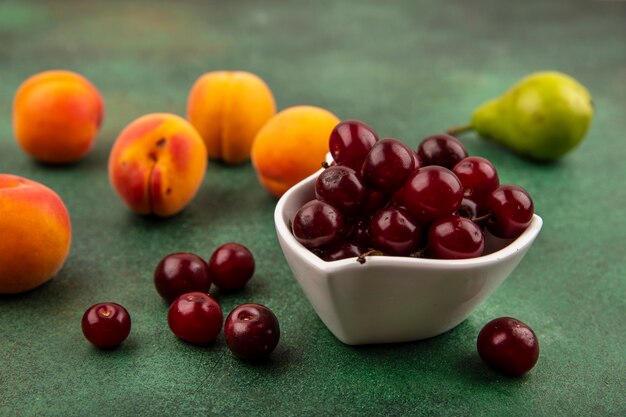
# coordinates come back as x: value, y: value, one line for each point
x: 291, y: 146
x: 56, y: 116
x: 228, y: 108
x: 36, y: 234
x: 157, y: 164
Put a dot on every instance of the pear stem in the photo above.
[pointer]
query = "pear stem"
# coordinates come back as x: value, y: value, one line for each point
x: 456, y: 130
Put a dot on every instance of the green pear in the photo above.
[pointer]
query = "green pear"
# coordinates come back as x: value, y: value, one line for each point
x: 543, y: 116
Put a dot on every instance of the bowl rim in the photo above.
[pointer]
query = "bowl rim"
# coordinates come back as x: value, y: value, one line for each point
x: 282, y: 229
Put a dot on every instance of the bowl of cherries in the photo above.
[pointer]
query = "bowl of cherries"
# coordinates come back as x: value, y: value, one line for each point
x: 390, y: 244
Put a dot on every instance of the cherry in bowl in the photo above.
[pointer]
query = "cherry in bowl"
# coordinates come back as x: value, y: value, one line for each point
x: 387, y: 165
x: 443, y: 150
x: 350, y: 141
x: 391, y: 299
x: 511, y: 209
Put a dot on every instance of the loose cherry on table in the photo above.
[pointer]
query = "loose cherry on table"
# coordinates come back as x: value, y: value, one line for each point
x: 231, y: 266
x: 106, y: 325
x: 195, y: 318
x: 180, y: 273
x: 508, y: 345
x: 251, y: 331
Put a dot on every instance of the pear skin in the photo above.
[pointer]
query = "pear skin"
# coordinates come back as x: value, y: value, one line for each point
x: 543, y: 117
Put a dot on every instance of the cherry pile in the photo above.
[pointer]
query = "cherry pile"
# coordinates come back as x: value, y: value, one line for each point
x: 183, y: 279
x: 379, y: 196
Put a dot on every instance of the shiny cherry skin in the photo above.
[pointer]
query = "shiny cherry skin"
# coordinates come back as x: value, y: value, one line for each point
x: 349, y: 143
x: 317, y: 224
x: 443, y: 150
x: 343, y: 250
x: 180, y: 273
x: 251, y: 331
x: 394, y: 232
x: 431, y: 192
x: 455, y: 237
x: 106, y: 325
x: 511, y: 210
x: 478, y: 176
x: 508, y: 345
x: 231, y: 266
x: 195, y: 317
x: 342, y: 188
x: 416, y: 159
x: 387, y: 165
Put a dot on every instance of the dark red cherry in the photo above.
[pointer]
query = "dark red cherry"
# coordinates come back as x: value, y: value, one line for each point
x: 455, y: 237
x: 349, y: 143
x: 341, y: 187
x: 179, y: 273
x: 318, y: 224
x: 251, y: 331
x: 443, y: 150
x: 387, y: 165
x: 394, y: 232
x: 478, y: 176
x: 195, y: 317
x: 342, y: 250
x: 430, y: 192
x: 106, y: 325
x: 508, y: 345
x: 231, y: 266
x: 511, y: 209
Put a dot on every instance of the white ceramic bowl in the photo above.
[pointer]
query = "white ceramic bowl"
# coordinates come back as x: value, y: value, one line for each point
x: 394, y: 299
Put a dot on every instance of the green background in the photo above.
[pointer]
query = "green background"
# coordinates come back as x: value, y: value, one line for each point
x: 408, y: 68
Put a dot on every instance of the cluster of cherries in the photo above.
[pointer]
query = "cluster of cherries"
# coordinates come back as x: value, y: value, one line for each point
x: 382, y: 197
x: 184, y: 279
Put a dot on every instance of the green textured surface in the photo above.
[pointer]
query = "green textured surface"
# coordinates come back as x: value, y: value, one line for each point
x: 410, y: 69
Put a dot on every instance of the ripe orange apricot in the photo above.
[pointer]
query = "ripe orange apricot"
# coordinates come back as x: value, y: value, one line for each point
x: 291, y: 146
x: 228, y: 108
x: 56, y: 116
x: 157, y: 164
x: 36, y: 234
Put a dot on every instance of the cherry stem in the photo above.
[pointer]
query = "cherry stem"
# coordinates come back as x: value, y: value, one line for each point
x: 482, y: 218
x: 456, y: 130
x: 371, y: 252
